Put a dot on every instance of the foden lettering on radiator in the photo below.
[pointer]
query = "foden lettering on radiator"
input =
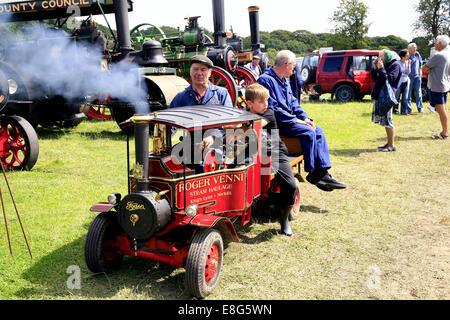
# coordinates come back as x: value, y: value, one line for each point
x: 208, y: 181
x: 133, y: 206
x: 41, y: 5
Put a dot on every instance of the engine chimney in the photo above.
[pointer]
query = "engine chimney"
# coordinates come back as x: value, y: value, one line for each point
x: 122, y: 24
x: 219, y: 22
x: 253, y: 13
x: 141, y: 135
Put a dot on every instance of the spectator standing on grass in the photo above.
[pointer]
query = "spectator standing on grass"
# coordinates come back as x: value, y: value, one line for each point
x: 296, y: 82
x: 254, y: 66
x: 387, y: 66
x: 439, y: 81
x: 415, y: 76
x: 293, y: 121
x: 403, y: 89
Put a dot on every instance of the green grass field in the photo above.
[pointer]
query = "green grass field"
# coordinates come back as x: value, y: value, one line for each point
x: 385, y: 237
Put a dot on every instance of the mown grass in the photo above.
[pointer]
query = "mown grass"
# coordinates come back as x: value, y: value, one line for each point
x: 393, y: 218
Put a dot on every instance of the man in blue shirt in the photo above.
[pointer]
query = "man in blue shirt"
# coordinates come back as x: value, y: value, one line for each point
x: 202, y: 92
x: 415, y: 76
x: 293, y: 121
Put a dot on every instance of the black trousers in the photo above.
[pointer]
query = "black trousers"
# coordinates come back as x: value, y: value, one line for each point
x: 285, y: 179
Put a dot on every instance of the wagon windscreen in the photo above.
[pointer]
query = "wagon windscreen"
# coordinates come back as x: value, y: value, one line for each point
x: 19, y: 10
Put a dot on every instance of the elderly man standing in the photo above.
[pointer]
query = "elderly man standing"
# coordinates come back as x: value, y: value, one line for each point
x: 293, y: 121
x: 439, y: 81
x: 415, y: 76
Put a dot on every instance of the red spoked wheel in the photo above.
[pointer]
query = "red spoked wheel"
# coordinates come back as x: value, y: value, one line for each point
x: 98, y: 107
x: 19, y: 144
x: 244, y: 77
x: 204, y: 262
x: 222, y: 78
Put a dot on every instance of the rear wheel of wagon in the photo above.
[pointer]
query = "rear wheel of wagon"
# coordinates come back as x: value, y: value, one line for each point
x: 204, y: 263
x: 101, y: 251
x: 19, y: 144
x: 222, y: 78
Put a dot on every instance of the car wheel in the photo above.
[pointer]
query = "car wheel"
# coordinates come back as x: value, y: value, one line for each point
x: 308, y: 74
x: 345, y: 93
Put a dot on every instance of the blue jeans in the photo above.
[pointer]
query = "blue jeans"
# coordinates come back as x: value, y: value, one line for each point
x: 403, y: 90
x: 416, y: 85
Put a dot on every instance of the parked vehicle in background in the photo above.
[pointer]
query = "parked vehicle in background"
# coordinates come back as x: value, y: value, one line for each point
x: 345, y: 74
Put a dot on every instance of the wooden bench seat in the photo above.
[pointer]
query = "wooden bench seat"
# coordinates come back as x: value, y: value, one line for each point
x: 295, y: 154
x: 293, y: 145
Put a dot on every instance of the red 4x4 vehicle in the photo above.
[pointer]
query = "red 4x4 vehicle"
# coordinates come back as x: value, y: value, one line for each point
x: 344, y: 74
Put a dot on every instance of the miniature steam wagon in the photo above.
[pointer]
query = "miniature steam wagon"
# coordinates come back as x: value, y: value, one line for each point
x: 175, y: 213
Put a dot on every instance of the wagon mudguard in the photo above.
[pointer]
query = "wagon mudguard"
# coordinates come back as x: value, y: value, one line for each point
x: 222, y: 224
x: 101, y: 207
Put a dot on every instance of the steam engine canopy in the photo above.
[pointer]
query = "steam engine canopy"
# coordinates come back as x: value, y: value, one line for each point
x: 141, y: 216
x: 4, y: 90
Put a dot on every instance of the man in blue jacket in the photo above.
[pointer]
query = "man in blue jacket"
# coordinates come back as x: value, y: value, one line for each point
x: 203, y: 92
x: 415, y: 76
x: 293, y: 121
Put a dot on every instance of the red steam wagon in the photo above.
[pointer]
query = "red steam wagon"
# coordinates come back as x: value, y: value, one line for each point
x: 178, y: 213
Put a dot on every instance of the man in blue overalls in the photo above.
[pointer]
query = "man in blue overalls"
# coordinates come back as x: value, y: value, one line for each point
x: 293, y: 121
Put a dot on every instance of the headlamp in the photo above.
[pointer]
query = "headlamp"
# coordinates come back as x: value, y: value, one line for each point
x: 192, y: 210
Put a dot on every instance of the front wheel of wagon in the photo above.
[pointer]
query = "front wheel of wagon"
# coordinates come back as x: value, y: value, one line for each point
x: 204, y: 263
x: 101, y: 250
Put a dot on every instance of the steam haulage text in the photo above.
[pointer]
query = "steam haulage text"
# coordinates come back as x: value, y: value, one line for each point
x: 31, y: 6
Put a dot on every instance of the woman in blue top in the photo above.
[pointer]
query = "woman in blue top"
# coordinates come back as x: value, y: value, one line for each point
x: 403, y: 88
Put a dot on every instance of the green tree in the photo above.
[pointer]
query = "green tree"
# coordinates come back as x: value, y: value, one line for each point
x: 433, y: 19
x: 392, y: 42
x: 423, y: 46
x: 350, y: 23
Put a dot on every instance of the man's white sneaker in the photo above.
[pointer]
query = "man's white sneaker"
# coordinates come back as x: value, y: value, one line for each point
x: 432, y: 109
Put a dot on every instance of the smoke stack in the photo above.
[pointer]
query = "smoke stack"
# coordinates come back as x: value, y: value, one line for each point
x: 141, y: 135
x: 253, y: 13
x: 122, y: 24
x: 219, y: 22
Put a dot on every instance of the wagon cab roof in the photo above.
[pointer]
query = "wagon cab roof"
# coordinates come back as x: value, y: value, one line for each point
x: 189, y: 118
x: 20, y: 10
